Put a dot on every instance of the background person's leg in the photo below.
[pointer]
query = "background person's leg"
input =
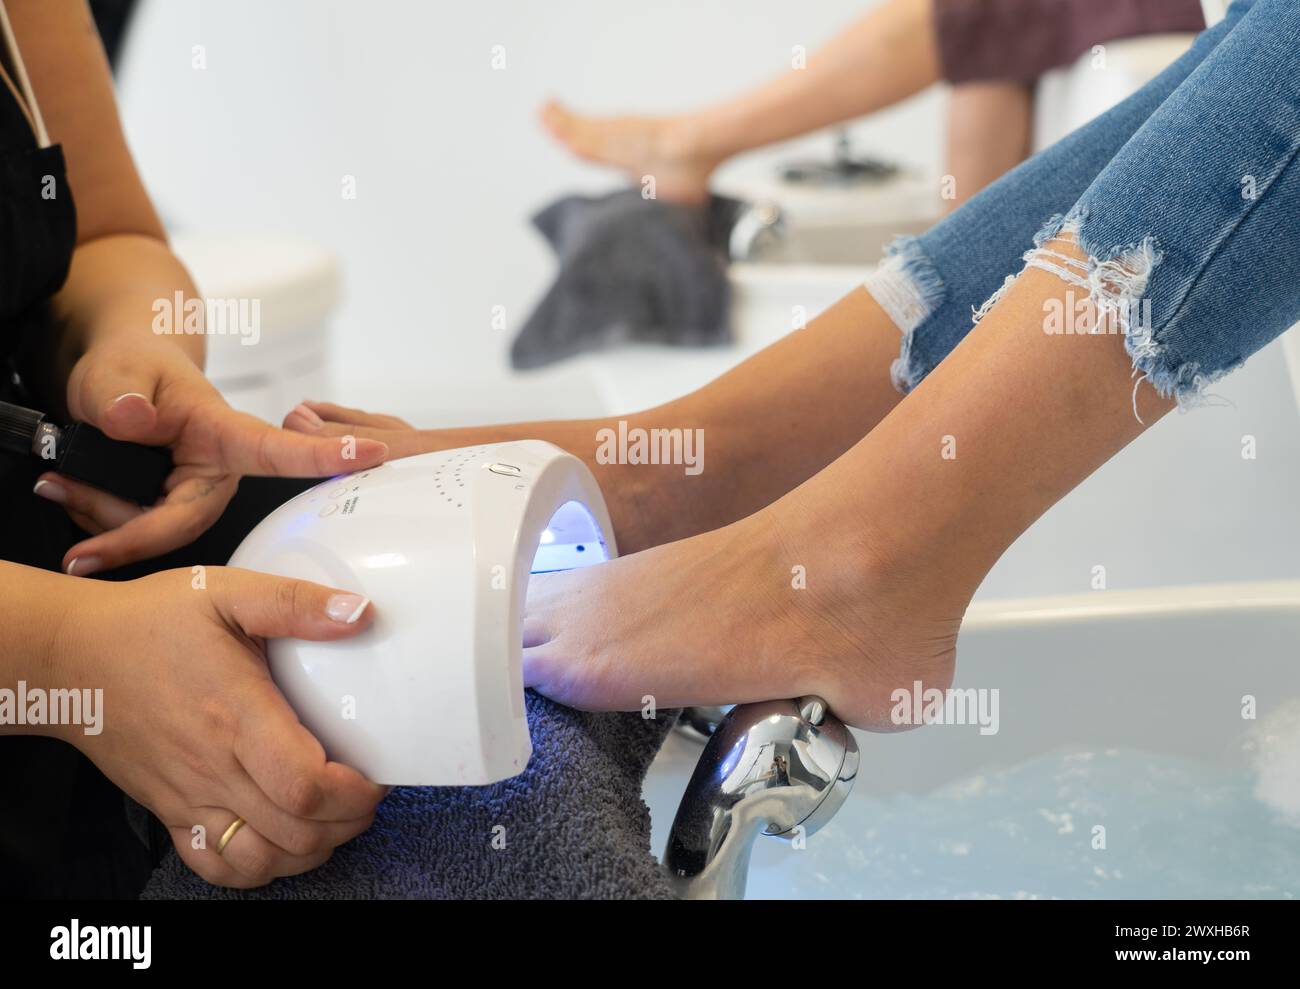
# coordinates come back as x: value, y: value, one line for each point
x: 885, y: 57
x: 989, y: 132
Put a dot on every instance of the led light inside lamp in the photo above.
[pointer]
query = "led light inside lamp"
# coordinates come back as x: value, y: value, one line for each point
x: 443, y: 544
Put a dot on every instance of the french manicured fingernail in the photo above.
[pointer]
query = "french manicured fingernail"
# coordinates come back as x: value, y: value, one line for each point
x: 83, y: 566
x: 346, y: 608
x: 51, y: 491
x: 312, y: 418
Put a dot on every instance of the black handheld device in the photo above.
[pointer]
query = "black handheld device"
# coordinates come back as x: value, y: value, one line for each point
x: 82, y: 452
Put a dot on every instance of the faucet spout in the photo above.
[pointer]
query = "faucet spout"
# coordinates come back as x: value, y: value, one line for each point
x: 779, y: 768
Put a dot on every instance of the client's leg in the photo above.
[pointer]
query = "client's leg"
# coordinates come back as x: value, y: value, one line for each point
x: 1169, y: 260
x: 856, y: 582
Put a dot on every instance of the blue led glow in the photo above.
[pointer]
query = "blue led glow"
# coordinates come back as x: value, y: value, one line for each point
x: 570, y: 540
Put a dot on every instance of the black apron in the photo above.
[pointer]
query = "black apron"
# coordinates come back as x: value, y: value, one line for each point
x: 48, y: 791
x: 65, y: 829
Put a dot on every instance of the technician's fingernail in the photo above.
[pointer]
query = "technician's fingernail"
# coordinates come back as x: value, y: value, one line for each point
x: 51, y: 491
x: 84, y: 566
x: 128, y: 394
x: 346, y: 608
x: 312, y: 418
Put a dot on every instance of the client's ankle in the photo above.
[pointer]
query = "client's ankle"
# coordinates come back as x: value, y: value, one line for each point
x: 855, y: 625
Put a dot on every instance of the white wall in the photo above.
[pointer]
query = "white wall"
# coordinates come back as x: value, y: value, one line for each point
x: 448, y: 159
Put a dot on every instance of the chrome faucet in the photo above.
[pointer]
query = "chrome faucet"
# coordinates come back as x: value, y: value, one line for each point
x: 757, y: 230
x: 778, y: 768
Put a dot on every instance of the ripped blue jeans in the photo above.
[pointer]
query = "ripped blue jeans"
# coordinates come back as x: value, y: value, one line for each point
x: 1185, y: 199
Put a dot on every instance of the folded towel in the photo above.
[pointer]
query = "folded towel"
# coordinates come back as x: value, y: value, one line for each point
x: 631, y: 269
x: 572, y: 825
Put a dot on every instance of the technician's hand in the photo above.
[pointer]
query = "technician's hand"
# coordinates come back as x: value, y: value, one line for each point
x: 193, y: 726
x: 149, y: 392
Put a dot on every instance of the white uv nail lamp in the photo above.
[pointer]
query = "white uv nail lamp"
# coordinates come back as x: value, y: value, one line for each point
x: 443, y: 544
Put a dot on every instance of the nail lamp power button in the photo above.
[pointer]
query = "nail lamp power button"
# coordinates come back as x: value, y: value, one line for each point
x: 506, y: 470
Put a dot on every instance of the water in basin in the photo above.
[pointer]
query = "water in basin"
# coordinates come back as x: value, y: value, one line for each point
x: 1173, y: 828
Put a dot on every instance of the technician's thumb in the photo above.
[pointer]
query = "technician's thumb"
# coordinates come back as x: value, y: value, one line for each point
x: 118, y: 398
x: 278, y: 607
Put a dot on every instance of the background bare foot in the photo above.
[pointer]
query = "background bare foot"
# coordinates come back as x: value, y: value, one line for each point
x: 666, y: 147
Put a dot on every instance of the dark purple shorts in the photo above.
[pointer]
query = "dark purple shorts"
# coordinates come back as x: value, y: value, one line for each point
x: 1022, y: 39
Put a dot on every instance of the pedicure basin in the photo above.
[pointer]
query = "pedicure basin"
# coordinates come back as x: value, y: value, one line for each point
x: 1148, y: 747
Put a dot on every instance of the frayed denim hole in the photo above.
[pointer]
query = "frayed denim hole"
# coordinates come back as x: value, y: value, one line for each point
x: 1116, y: 281
x: 908, y: 287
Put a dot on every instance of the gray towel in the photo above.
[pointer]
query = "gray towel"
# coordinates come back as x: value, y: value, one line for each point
x: 574, y: 826
x: 631, y: 269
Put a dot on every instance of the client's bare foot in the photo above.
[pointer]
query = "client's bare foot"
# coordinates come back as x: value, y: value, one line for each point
x: 669, y: 148
x: 761, y: 609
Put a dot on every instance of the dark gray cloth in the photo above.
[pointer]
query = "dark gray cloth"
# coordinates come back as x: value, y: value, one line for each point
x: 631, y: 270
x: 574, y: 823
